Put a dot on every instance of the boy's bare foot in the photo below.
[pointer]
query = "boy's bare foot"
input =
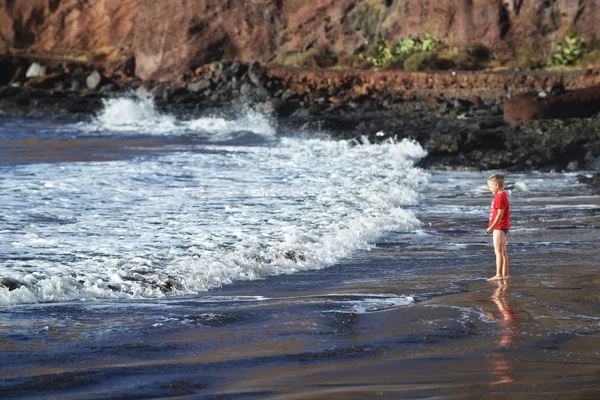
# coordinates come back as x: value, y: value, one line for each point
x: 495, y: 278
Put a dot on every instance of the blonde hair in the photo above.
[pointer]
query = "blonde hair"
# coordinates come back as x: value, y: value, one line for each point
x: 497, y: 179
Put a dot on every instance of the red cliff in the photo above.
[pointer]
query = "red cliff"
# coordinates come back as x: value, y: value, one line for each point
x: 169, y: 37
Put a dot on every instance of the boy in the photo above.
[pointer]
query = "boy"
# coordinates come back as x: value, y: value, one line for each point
x: 499, y: 224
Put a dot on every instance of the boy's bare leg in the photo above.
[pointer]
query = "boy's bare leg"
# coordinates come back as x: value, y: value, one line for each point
x: 501, y: 257
x: 505, y: 264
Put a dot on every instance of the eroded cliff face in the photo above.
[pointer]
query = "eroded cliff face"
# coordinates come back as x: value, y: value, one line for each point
x: 169, y: 37
x: 65, y: 26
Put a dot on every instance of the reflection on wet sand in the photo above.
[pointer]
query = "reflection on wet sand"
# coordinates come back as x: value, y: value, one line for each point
x: 501, y: 369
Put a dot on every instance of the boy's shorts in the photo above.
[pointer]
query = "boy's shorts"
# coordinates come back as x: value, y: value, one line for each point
x: 505, y: 231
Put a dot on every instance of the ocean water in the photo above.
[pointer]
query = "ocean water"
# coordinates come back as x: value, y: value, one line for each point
x: 143, y: 256
x: 135, y: 204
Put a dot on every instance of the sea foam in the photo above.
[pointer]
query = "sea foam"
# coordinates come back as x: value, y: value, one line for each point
x: 132, y: 115
x: 184, y: 222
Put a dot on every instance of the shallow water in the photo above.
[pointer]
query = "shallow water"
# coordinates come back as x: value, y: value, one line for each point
x: 196, y: 258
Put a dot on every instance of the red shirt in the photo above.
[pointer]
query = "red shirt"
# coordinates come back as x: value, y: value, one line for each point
x: 500, y: 202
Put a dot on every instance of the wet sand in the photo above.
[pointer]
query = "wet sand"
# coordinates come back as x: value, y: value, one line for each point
x: 535, y: 337
x: 529, y: 338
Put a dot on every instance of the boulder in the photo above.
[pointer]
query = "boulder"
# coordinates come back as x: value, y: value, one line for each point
x: 432, y: 101
x: 199, y: 85
x: 35, y: 70
x: 579, y: 103
x: 256, y: 77
x: 93, y: 80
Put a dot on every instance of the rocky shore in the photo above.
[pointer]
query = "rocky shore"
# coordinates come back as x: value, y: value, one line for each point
x: 457, y: 117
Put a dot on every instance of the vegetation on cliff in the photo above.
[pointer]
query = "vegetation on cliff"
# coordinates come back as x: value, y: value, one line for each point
x: 415, y: 53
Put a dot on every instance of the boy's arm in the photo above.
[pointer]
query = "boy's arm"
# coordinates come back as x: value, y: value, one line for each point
x: 498, y: 217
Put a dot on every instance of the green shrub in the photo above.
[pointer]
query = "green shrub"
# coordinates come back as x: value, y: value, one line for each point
x: 414, y: 53
x: 384, y: 56
x: 406, y: 46
x: 414, y: 44
x: 569, y: 53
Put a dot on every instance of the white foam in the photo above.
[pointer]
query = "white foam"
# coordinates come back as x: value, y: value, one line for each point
x: 520, y: 186
x: 251, y: 121
x: 359, y: 303
x: 127, y: 114
x: 139, y: 116
x: 186, y: 222
x: 375, y: 304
